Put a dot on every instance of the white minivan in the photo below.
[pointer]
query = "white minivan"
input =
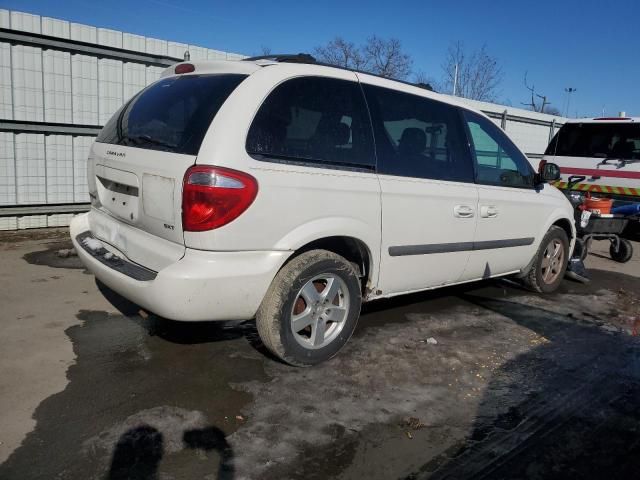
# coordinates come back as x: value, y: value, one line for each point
x: 292, y: 192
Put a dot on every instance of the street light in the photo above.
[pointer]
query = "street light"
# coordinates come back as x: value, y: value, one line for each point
x: 569, y: 91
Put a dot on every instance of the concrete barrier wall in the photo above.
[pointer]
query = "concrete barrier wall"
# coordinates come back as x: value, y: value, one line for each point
x: 49, y: 86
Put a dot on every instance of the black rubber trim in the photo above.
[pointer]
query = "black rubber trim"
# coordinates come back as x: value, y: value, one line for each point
x: 491, y: 244
x: 403, y: 250
x: 118, y: 264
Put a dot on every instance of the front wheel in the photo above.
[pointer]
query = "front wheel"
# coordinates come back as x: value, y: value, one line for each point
x: 311, y: 308
x: 623, y: 253
x: 550, y: 262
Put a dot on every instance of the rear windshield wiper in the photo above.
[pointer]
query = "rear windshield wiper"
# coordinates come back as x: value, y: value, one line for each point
x: 142, y: 139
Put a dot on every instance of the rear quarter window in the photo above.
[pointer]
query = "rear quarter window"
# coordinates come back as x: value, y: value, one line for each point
x: 172, y: 114
x: 316, y: 122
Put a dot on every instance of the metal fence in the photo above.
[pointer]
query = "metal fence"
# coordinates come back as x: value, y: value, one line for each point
x: 61, y: 81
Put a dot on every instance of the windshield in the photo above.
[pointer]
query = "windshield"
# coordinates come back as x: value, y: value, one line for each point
x: 171, y: 115
x: 597, y: 140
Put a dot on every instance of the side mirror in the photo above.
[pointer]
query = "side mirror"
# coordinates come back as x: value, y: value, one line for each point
x: 549, y: 172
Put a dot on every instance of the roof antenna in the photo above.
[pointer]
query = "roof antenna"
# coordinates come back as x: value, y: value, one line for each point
x: 187, y: 56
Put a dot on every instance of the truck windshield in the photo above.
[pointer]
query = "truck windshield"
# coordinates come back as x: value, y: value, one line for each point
x: 171, y: 115
x: 597, y: 140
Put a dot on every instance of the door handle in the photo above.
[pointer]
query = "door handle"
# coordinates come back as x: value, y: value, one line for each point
x: 463, y: 211
x: 488, y: 211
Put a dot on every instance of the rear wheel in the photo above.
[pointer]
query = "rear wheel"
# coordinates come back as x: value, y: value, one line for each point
x: 311, y: 308
x: 550, y: 262
x: 623, y: 253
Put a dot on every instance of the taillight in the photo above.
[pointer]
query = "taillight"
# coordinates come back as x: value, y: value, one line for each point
x: 215, y: 196
x: 185, y: 68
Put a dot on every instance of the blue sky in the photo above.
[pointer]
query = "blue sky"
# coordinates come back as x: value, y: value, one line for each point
x: 589, y: 45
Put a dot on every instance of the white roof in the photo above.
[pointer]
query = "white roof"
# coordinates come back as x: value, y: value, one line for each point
x: 605, y: 120
x: 215, y: 66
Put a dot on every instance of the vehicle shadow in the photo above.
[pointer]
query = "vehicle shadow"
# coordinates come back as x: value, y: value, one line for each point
x: 215, y: 331
x: 599, y: 255
x: 187, y: 333
x: 567, y: 408
x: 374, y: 313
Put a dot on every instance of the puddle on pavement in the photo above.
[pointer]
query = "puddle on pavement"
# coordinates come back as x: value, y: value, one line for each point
x: 50, y: 257
x: 136, y: 395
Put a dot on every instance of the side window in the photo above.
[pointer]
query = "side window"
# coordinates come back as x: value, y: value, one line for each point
x: 313, y: 120
x: 498, y: 161
x: 418, y: 137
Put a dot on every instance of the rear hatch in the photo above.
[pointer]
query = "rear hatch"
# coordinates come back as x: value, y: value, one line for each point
x: 137, y: 165
x: 605, y: 153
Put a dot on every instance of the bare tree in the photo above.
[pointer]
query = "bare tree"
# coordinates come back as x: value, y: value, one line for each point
x: 381, y: 56
x: 265, y: 50
x: 476, y: 75
x: 341, y: 53
x: 421, y: 79
x: 553, y: 111
x: 542, y: 106
x: 386, y: 58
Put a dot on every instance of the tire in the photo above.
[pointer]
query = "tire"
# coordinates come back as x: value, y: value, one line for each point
x: 624, y: 252
x: 301, y: 291
x: 540, y: 279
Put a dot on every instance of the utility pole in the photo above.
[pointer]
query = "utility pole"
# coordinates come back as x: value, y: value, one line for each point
x: 455, y: 80
x: 569, y: 91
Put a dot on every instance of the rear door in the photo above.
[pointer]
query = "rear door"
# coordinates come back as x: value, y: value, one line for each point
x: 139, y: 160
x: 606, y: 153
x: 429, y: 199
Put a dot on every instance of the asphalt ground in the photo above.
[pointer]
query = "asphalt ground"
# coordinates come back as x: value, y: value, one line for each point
x: 516, y: 385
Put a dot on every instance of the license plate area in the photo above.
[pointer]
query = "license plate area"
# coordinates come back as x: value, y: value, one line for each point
x: 118, y: 192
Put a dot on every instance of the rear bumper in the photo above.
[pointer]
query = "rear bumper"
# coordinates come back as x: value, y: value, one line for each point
x: 200, y: 286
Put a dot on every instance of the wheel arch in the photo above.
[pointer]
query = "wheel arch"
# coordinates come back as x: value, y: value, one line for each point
x: 354, y: 250
x: 566, y: 225
x: 561, y: 218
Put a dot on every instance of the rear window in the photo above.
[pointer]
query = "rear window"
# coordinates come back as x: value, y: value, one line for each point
x: 171, y: 115
x: 597, y: 140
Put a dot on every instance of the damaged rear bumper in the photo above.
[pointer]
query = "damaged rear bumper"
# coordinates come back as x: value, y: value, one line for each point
x: 200, y: 286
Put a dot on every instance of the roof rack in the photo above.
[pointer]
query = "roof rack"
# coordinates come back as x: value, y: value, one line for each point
x: 308, y: 58
x: 285, y: 58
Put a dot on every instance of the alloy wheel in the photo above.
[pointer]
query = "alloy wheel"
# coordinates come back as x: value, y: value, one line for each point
x: 320, y: 311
